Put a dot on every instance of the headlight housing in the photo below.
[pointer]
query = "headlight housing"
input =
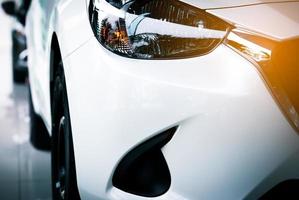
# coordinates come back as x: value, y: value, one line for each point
x: 155, y: 29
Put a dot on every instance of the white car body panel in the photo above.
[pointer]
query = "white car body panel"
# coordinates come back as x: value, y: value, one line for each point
x: 62, y: 21
x: 205, y: 101
x: 260, y: 18
x: 227, y: 116
x: 206, y: 4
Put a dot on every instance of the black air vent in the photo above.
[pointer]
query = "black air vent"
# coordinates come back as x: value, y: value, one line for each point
x: 288, y: 189
x: 144, y: 171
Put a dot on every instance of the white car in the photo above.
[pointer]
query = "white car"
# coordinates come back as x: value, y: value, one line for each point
x: 166, y: 99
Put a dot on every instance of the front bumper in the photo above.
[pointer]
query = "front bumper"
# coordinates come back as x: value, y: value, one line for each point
x: 231, y: 137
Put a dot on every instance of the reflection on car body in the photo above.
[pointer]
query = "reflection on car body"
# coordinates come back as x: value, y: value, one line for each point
x: 166, y: 99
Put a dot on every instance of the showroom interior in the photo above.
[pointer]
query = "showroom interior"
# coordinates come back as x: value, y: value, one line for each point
x: 25, y: 172
x: 149, y: 99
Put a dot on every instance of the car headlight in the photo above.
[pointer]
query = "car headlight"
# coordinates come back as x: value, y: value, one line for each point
x: 155, y: 29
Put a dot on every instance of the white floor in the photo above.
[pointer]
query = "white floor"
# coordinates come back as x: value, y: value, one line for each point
x: 24, y: 172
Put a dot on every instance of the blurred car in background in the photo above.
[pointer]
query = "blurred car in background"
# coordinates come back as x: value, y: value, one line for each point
x: 18, y: 9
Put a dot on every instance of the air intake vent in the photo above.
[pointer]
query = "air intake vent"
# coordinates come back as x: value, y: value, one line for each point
x: 144, y: 171
x: 288, y: 189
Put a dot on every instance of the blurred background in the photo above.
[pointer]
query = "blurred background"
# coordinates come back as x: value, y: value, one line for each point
x: 24, y: 171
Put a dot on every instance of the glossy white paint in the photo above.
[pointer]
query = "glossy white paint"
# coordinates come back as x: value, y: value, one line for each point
x: 68, y: 20
x: 280, y: 21
x: 232, y: 135
x: 230, y: 125
x: 210, y: 4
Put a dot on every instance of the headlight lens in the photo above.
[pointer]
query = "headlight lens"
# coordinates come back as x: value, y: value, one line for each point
x: 155, y: 29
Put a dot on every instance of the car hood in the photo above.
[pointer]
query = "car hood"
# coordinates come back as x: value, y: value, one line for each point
x: 277, y: 19
x: 211, y: 4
